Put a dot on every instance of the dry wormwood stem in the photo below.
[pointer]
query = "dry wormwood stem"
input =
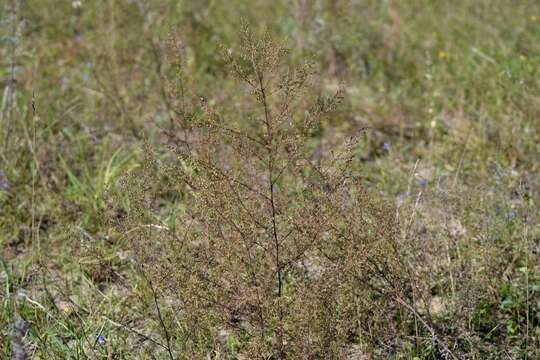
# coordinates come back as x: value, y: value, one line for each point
x: 12, y: 9
x: 259, y: 209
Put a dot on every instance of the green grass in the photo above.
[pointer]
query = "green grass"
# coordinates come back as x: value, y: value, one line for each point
x: 452, y: 87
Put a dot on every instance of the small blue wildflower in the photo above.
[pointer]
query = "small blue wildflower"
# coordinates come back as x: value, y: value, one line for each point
x: 4, y: 182
x: 423, y: 182
x: 511, y: 215
x: 227, y: 167
x: 386, y: 146
x: 101, y: 340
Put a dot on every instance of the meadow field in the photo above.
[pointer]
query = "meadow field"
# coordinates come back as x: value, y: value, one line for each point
x: 287, y: 179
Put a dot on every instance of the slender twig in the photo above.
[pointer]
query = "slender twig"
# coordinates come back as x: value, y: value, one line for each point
x: 270, y: 147
x: 135, y: 331
x: 160, y: 316
x: 525, y: 245
x: 427, y: 326
x: 462, y: 156
x: 14, y: 14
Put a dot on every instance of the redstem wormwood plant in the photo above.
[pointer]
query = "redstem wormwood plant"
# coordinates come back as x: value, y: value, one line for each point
x: 287, y: 256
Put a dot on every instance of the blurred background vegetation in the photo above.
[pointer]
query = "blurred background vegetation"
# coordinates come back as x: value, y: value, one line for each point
x: 449, y: 92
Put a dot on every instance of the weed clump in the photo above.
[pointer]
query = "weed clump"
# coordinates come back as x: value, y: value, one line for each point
x: 277, y: 253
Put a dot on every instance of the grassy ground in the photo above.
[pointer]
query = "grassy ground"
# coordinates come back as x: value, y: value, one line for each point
x: 449, y: 91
